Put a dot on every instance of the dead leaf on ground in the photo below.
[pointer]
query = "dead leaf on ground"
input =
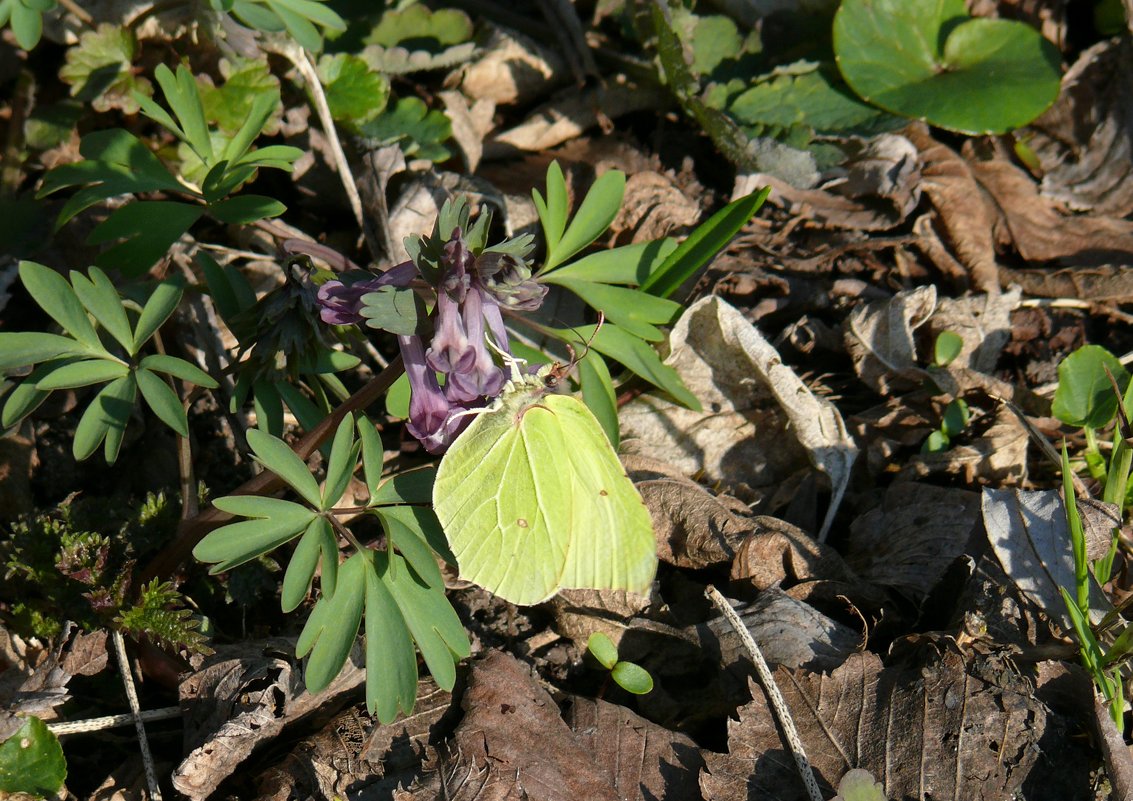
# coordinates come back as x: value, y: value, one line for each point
x: 997, y: 455
x: 963, y: 213
x: 512, y: 69
x: 1084, y: 142
x: 755, y: 409
x: 881, y: 341
x: 244, y: 696
x: 1038, y: 229
x: 909, y: 541
x: 778, y: 554
x: 983, y: 323
x: 654, y: 207
x: 1031, y: 538
x: 514, y: 744
x: 355, y: 754
x: 938, y: 732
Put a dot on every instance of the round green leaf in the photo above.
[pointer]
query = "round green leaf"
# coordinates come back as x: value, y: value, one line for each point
x: 31, y: 761
x: 929, y: 60
x: 632, y: 678
x: 1085, y: 396
x: 949, y: 344
x: 859, y: 785
x: 603, y: 649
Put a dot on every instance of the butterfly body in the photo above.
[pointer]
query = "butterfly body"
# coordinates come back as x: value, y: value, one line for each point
x: 533, y: 500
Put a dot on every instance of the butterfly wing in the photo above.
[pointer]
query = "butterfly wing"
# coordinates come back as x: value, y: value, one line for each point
x: 505, y: 504
x: 612, y: 545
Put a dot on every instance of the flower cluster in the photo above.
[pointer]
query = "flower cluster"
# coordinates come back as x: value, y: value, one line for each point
x: 473, y: 286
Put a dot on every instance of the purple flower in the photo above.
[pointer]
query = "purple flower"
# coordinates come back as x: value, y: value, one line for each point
x: 432, y: 418
x: 481, y: 377
x: 341, y: 304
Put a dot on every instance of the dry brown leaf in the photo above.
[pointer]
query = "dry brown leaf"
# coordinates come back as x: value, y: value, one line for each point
x: 910, y: 540
x: 513, y: 69
x: 694, y: 529
x: 1084, y: 142
x: 777, y: 553
x: 653, y: 208
x: 514, y: 744
x: 33, y: 679
x: 1039, y: 230
x: 354, y: 753
x: 997, y: 455
x: 788, y: 632
x: 963, y: 213
x: 757, y: 412
x: 470, y: 124
x: 880, y: 339
x: 243, y: 697
x: 983, y: 323
x: 932, y: 733
x: 1031, y: 538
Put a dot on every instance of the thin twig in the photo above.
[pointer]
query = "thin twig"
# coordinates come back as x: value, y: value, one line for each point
x: 306, y: 67
x: 78, y: 11
x: 136, y: 714
x: 782, y: 713
x: 112, y: 721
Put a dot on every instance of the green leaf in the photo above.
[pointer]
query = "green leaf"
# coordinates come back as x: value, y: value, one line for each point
x: 632, y: 678
x: 936, y: 442
x: 56, y: 297
x: 629, y: 264
x: 594, y: 216
x: 162, y: 302
x: 340, y: 466
x: 612, y: 341
x: 555, y: 210
x: 31, y: 760
x: 598, y: 394
x: 149, y: 228
x: 1121, y: 648
x: 417, y: 535
x: 298, y: 26
x: 178, y: 368
x: 406, y: 486
x: 420, y: 26
x: 101, y: 299
x: 1085, y: 396
x: 244, y: 209
x: 163, y: 401
x: 397, y: 399
x: 27, y: 24
x: 183, y: 98
x: 355, y: 93
x: 391, y: 663
x: 26, y: 397
x: 51, y: 124
x: 948, y: 346
x: 602, y: 648
x: 275, y: 455
x: 372, y: 455
x: 333, y: 625
x: 304, y: 561
x: 394, y: 309
x: 812, y: 95
x: 99, y: 69
x: 431, y: 620
x: 248, y: 90
x: 23, y: 348
x: 956, y: 417
x: 83, y: 374
x: 633, y: 310
x: 929, y: 60
x: 859, y: 785
x: 702, y: 245
x: 413, y: 126
x: 237, y: 543
x: 105, y: 418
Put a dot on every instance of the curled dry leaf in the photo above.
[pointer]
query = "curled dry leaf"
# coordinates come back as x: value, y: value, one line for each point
x: 512, y: 69
x: 1031, y: 538
x: 1038, y: 228
x: 964, y: 215
x: 1084, y: 142
x: 938, y: 732
x: 789, y: 633
x: 881, y: 342
x: 244, y: 696
x: 910, y: 540
x: 654, y: 207
x: 777, y: 554
x: 756, y: 409
x: 998, y: 455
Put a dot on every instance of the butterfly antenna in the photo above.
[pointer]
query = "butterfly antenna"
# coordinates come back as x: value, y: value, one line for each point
x: 575, y: 358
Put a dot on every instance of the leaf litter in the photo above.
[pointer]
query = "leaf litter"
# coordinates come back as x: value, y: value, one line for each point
x: 910, y: 600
